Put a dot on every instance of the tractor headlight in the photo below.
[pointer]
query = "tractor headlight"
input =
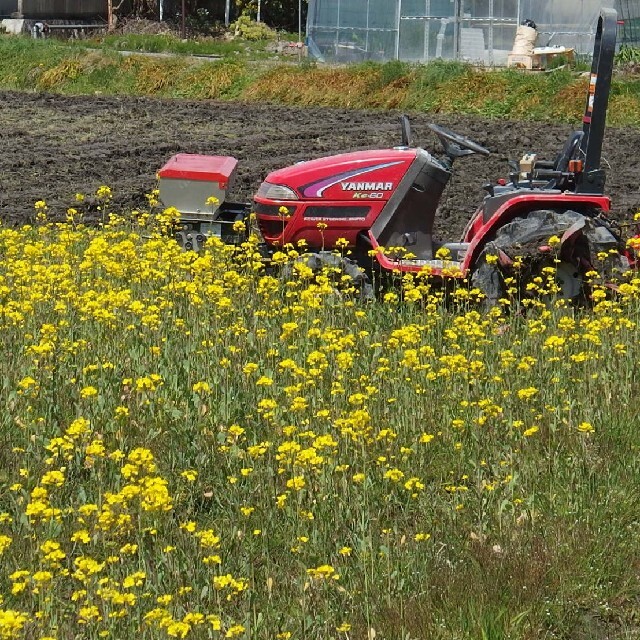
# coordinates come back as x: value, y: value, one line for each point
x: 276, y: 192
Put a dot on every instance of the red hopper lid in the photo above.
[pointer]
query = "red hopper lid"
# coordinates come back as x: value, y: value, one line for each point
x: 189, y: 166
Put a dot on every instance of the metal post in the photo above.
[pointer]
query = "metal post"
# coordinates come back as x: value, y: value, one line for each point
x: 161, y: 9
x: 338, y: 29
x: 259, y: 7
x: 491, y: 34
x: 366, y: 35
x: 20, y: 8
x: 184, y: 24
x: 109, y: 14
x: 427, y: 24
x: 300, y: 22
x: 227, y: 13
x: 398, y: 16
x: 457, y: 23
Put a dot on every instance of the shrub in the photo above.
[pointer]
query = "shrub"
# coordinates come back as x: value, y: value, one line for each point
x: 249, y: 29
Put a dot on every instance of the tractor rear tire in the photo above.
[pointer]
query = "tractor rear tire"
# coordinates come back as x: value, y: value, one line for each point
x: 522, y: 238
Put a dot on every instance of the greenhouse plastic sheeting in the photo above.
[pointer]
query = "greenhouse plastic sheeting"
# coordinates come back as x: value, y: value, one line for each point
x: 480, y: 31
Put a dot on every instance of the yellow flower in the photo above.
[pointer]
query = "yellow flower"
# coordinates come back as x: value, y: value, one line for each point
x: 201, y: 387
x: 296, y: 483
x: 323, y: 572
x: 129, y: 549
x: 40, y: 577
x: 177, y: 629
x: 5, y: 541
x: 208, y: 539
x: 104, y: 193
x: 134, y: 580
x: 395, y: 475
x: 12, y: 623
x: 81, y: 536
x: 250, y: 367
x: 586, y: 427
x: 443, y: 253
x: 27, y: 383
x: 527, y: 394
x: 54, y: 477
x: 236, y: 430
x: 189, y: 475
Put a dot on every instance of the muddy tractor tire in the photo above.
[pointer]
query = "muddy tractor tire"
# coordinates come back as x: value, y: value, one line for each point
x: 583, y: 238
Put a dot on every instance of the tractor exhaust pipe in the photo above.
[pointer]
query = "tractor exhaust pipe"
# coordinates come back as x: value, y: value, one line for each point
x: 405, y: 127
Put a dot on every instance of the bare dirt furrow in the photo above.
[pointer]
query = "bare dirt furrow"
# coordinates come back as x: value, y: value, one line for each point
x: 54, y: 146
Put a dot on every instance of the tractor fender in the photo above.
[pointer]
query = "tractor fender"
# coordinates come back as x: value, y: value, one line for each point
x: 483, y: 230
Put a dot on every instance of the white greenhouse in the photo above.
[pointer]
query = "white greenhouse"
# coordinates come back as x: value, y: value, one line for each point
x: 480, y: 31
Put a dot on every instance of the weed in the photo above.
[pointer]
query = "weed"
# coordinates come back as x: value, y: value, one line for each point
x: 211, y: 80
x: 628, y: 54
x: 394, y: 72
x: 446, y: 87
x: 59, y: 75
x: 442, y: 71
x: 153, y: 77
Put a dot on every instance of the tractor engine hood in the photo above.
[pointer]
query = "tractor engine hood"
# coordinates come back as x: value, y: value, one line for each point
x: 361, y: 175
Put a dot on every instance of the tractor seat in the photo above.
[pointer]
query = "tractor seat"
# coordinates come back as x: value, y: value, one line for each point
x: 569, y: 152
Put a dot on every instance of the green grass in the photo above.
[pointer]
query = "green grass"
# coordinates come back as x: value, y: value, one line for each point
x: 439, y: 87
x: 174, y: 44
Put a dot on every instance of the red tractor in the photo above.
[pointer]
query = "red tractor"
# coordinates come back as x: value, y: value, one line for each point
x: 383, y: 203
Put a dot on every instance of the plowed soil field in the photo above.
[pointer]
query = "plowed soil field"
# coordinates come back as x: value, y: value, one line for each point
x: 54, y: 146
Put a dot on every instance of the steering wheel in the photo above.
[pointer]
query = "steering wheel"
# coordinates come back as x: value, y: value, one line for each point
x: 448, y: 136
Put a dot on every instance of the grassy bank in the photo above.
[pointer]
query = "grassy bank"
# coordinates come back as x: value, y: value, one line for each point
x: 194, y: 448
x: 440, y: 87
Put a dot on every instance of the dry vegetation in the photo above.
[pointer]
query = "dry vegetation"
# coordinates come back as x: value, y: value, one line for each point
x: 440, y: 87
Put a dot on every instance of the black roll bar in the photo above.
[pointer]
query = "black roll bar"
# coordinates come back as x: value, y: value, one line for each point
x: 592, y: 179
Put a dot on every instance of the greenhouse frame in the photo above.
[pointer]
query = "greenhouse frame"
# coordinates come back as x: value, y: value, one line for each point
x: 478, y: 31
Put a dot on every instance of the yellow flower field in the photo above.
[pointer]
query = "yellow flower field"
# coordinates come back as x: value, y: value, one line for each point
x: 193, y: 447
